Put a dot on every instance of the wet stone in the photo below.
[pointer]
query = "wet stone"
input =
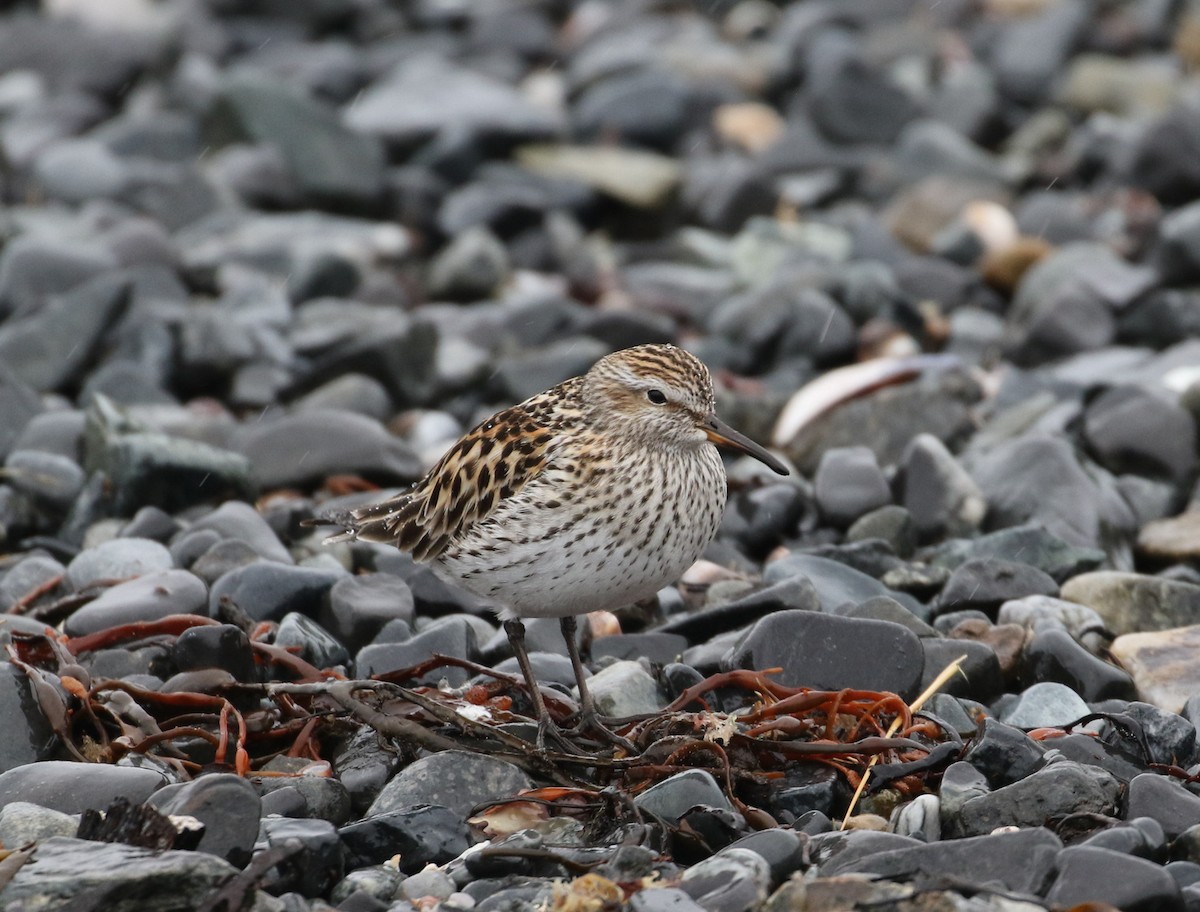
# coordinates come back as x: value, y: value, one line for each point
x: 455, y: 779
x: 984, y: 584
x: 118, y: 559
x: 226, y: 804
x: 659, y: 648
x: 1045, y: 704
x: 62, y: 785
x: 66, y: 871
x: 218, y: 646
x: 22, y: 823
x: 733, y: 880
x: 1023, y: 862
x: 1142, y: 837
x: 29, y: 574
x: 823, y: 651
x: 1059, y: 789
x: 783, y: 851
x: 420, y: 834
x: 981, y: 677
x: 1054, y: 655
x: 625, y: 688
x: 451, y: 636
x: 939, y: 494
x: 1091, y: 874
x: 1159, y: 798
x: 147, y: 598
x: 241, y: 522
x: 318, y: 864
x: 1004, y: 754
x: 669, y: 899
x: 849, y: 484
x: 676, y: 795
x: 359, y: 607
x: 791, y: 594
x: 269, y: 591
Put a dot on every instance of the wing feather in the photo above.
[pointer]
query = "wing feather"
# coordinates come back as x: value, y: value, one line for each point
x: 487, y: 466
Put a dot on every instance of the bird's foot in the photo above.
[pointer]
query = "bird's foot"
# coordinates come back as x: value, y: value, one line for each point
x: 590, y: 721
x: 548, y: 732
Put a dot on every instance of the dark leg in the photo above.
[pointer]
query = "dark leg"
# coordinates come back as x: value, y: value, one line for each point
x: 516, y: 637
x: 588, y: 718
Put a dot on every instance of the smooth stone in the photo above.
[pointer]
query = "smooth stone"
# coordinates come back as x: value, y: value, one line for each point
x: 451, y: 636
x: 635, y: 177
x: 1132, y: 602
x: 733, y: 880
x: 981, y: 678
x: 1163, y: 800
x: 659, y: 648
x: 419, y: 834
x: 216, y: 646
x: 783, y: 850
x: 835, y: 582
x: 1171, y: 739
x: 52, y: 347
x: 1039, y: 612
x: 226, y: 804
x: 665, y: 899
x: 269, y: 591
x: 759, y: 518
x: 1004, y: 754
x: 835, y: 850
x: 823, y: 651
x: 848, y: 484
x: 985, y: 584
x: 30, y: 573
x: 1142, y: 837
x: 22, y: 823
x: 350, y: 392
x: 1164, y: 664
x: 454, y: 779
x: 51, y: 480
x: 151, y: 522
x: 72, y: 788
x: 324, y: 797
x: 919, y: 818
x: 625, y: 688
x: 308, y: 446
x: 1173, y: 539
x: 472, y: 267
x: 147, y: 598
x: 241, y: 522
x: 1133, y: 430
x: 317, y: 860
x: 790, y: 594
x: 364, y: 764
x: 1054, y: 655
x: 1059, y: 789
x: 360, y: 606
x: 118, y: 559
x: 1087, y: 874
x: 939, y: 494
x: 1037, y: 479
x: 805, y: 789
x: 68, y: 873
x: 304, y: 637
x: 677, y: 794
x: 892, y: 524
x: 378, y: 882
x: 1022, y: 862
x: 1045, y: 705
x: 1030, y: 545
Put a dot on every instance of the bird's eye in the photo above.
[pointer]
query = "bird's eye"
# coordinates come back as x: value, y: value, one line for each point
x: 657, y: 396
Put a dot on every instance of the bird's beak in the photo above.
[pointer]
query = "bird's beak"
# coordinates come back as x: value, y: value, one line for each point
x: 723, y: 435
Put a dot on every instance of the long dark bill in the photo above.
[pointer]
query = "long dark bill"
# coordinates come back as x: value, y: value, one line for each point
x: 723, y: 435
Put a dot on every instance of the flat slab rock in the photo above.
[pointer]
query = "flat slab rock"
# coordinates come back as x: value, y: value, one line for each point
x: 1164, y: 664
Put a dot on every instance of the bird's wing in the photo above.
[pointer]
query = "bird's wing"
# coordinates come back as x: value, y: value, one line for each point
x: 488, y: 465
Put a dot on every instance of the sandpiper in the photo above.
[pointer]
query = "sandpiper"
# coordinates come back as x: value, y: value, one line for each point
x: 594, y: 494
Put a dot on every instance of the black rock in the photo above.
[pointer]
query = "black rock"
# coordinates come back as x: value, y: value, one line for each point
x: 455, y: 779
x: 147, y: 598
x: 1004, y: 754
x: 835, y: 582
x: 783, y: 850
x: 30, y: 737
x: 822, y: 651
x: 1055, y: 791
x: 984, y: 584
x: 806, y: 788
x: 318, y: 864
x: 1142, y: 837
x: 1124, y: 881
x: 304, y: 637
x: 981, y: 679
x: 452, y: 636
x: 733, y: 880
x: 72, y: 788
x: 1132, y: 430
x: 419, y: 834
x: 759, y: 518
x: 658, y: 647
x: 848, y: 484
x: 1023, y: 861
x: 1054, y: 655
x: 268, y: 591
x: 793, y: 593
x: 360, y: 606
x: 226, y: 804
x: 677, y: 794
x: 219, y: 646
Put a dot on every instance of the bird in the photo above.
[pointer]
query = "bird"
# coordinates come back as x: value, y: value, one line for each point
x: 594, y: 494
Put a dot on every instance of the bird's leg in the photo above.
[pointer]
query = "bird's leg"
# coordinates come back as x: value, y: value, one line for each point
x: 589, y: 719
x: 516, y: 637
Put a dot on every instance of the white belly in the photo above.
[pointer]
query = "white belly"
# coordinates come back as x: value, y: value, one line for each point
x: 606, y: 549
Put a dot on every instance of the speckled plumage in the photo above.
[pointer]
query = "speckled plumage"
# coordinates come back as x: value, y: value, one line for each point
x: 593, y: 494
